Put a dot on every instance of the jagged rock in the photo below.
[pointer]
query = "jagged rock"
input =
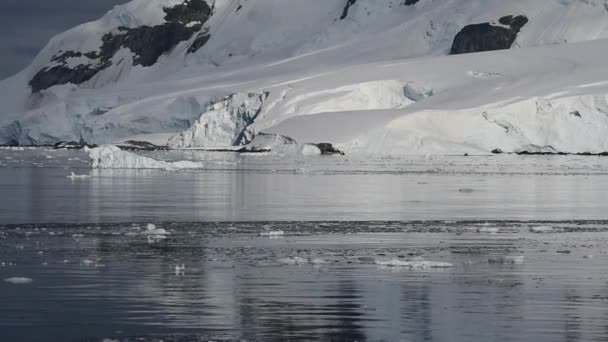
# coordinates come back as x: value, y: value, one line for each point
x: 134, y: 145
x: 147, y: 43
x: 72, y: 145
x: 497, y: 151
x: 488, y: 37
x: 328, y: 149
x: 188, y: 11
x: 199, y: 42
x: 349, y: 4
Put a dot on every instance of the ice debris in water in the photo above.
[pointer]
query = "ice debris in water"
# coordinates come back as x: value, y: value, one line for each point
x: 73, y: 176
x: 19, y: 280
x: 112, y: 157
x: 272, y: 233
x: 416, y: 263
x: 180, y: 270
x: 509, y: 259
x: 466, y: 190
x: 155, y: 234
x: 541, y: 229
x: 489, y: 230
x: 293, y: 261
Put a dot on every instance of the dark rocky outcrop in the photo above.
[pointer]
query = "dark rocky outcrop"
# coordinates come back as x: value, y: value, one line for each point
x: 349, y: 4
x: 72, y: 145
x: 189, y: 11
x: 488, y: 37
x: 199, y: 42
x: 135, y: 145
x: 147, y: 43
x: 328, y: 149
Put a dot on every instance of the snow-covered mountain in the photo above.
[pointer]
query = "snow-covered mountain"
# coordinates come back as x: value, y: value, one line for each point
x: 372, y: 76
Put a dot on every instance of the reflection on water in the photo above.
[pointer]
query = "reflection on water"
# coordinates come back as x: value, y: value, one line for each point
x: 235, y: 188
x: 92, y: 282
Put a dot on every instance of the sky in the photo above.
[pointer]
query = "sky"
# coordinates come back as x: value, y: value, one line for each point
x: 27, y: 25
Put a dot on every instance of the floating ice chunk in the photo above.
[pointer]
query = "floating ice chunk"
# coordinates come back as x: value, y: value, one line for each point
x: 152, y: 230
x: 509, y: 259
x: 489, y: 230
x: 293, y: 261
x: 318, y: 261
x: 112, y: 157
x: 272, y: 233
x: 155, y: 234
x: 73, y: 176
x: 416, y: 263
x: 19, y: 280
x: 180, y: 270
x: 589, y: 256
x: 541, y: 229
x: 466, y: 190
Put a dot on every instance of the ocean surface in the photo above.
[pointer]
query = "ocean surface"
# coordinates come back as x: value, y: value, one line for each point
x: 269, y: 248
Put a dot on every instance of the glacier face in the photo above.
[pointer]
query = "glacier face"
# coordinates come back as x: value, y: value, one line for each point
x: 372, y: 76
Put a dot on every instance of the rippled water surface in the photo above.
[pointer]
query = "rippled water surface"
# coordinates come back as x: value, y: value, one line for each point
x: 261, y: 248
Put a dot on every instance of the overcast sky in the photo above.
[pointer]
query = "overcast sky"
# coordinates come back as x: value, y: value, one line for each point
x: 27, y: 25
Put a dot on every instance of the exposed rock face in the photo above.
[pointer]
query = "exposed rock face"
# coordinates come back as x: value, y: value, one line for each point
x: 189, y: 11
x: 147, y: 43
x: 199, y: 42
x: 328, y: 149
x: 349, y: 4
x: 488, y: 37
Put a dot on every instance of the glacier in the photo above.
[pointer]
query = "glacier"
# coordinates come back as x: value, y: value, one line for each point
x: 373, y: 77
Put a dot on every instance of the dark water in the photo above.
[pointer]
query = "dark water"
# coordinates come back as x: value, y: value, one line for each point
x: 96, y: 278
x: 98, y: 282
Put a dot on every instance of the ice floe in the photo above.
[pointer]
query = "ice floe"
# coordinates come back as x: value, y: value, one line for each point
x: 19, y: 280
x: 416, y: 263
x: 112, y: 157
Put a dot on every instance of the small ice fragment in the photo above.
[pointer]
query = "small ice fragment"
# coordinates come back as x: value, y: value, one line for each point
x: 180, y: 270
x: 589, y: 256
x: 73, y: 176
x: 293, y: 261
x: 87, y: 262
x: 509, y: 259
x: 416, y: 263
x: 489, y: 230
x: 541, y: 229
x: 466, y: 190
x: 319, y: 261
x: 18, y: 280
x: 272, y: 233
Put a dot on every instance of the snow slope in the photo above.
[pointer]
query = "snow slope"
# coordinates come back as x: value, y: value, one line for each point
x: 379, y: 81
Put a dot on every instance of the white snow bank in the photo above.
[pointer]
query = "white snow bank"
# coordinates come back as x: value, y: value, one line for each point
x: 112, y: 157
x: 416, y: 263
x: 19, y: 280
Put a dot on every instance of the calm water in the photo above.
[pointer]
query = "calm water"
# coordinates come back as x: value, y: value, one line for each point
x: 237, y: 188
x: 526, y: 237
